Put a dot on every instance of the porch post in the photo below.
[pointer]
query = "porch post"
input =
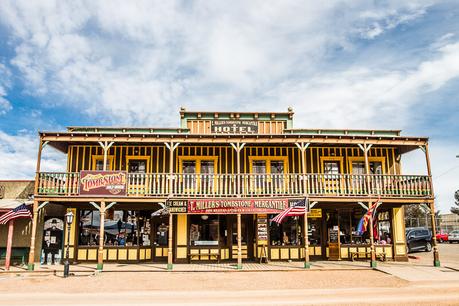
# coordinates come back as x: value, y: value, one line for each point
x: 169, y: 250
x: 9, y: 244
x: 303, y: 146
x: 31, y: 264
x: 238, y: 148
x: 171, y: 146
x: 100, y: 257
x: 366, y: 148
x: 436, y: 255
x: 105, y: 146
x: 239, y: 243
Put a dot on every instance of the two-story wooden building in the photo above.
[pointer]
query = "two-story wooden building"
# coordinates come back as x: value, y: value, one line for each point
x: 208, y: 190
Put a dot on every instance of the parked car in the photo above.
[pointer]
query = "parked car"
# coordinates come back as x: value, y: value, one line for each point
x: 418, y: 239
x: 442, y: 236
x: 453, y: 236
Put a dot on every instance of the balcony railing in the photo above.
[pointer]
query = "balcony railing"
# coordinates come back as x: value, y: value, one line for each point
x: 250, y: 185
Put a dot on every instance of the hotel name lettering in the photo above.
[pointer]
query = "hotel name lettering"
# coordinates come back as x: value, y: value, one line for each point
x: 234, y: 127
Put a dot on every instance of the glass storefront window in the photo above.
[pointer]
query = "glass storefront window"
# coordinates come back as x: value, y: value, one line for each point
x: 289, y: 232
x: 204, y: 230
x: 314, y: 226
x: 121, y: 228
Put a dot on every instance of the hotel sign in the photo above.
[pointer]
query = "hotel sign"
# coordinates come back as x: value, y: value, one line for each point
x: 236, y: 206
x: 234, y: 127
x: 103, y: 183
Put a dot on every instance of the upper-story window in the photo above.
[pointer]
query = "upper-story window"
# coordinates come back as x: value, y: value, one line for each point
x: 357, y: 165
x: 268, y: 164
x: 138, y: 164
x: 98, y: 162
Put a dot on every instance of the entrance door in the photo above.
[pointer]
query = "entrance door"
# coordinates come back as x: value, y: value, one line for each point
x: 333, y: 233
x: 247, y: 235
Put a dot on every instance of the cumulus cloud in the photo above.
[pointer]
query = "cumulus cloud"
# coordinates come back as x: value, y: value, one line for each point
x: 125, y: 62
x: 18, y: 156
x: 5, y: 83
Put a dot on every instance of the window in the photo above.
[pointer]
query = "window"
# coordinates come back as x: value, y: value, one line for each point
x: 137, y: 166
x: 98, y: 162
x: 359, y: 168
x: 120, y: 228
x: 204, y: 165
x: 204, y: 230
x: 331, y: 167
x: 289, y: 232
x: 383, y: 234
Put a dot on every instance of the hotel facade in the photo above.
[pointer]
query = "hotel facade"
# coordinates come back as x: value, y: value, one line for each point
x: 206, y: 191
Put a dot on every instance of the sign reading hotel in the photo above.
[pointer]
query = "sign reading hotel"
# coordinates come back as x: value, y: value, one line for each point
x: 234, y: 127
x: 236, y: 206
x: 103, y: 183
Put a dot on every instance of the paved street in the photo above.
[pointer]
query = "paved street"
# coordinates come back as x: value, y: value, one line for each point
x: 413, y: 283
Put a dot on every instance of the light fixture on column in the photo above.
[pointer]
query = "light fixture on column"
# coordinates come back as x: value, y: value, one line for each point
x: 69, y: 221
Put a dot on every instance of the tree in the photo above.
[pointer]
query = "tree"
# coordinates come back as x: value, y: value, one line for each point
x: 455, y: 210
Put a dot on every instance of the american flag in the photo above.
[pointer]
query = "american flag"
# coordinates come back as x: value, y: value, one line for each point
x: 19, y: 212
x: 298, y: 209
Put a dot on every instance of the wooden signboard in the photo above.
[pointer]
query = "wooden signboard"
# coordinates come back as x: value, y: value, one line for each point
x: 103, y: 183
x: 234, y: 127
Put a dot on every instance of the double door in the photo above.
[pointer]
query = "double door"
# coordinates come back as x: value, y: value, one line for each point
x: 247, y: 236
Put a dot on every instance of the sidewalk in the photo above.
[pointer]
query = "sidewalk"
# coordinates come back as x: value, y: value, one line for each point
x: 86, y: 268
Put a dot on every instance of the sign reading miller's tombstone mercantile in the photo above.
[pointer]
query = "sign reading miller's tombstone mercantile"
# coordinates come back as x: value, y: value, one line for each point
x: 234, y: 126
x: 103, y: 183
x: 233, y: 206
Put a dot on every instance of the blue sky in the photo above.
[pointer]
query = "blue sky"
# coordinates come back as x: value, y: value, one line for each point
x: 339, y: 64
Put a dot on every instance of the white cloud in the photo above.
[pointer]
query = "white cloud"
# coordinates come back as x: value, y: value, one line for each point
x: 18, y: 156
x: 124, y: 62
x: 445, y: 171
x: 5, y: 83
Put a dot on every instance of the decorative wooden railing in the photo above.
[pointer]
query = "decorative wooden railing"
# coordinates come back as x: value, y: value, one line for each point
x: 249, y: 185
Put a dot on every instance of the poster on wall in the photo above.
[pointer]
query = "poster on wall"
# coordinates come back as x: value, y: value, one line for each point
x: 262, y: 229
x: 53, y: 229
x: 103, y: 183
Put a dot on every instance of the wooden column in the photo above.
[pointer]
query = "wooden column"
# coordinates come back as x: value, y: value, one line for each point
x: 436, y: 255
x: 100, y: 255
x: 105, y: 146
x: 9, y: 244
x: 171, y: 146
x: 238, y: 147
x: 239, y: 242
x: 303, y: 146
x: 365, y: 149
x: 169, y: 249
x: 31, y: 264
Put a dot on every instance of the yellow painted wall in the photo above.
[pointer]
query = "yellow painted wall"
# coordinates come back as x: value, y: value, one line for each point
x: 399, y: 231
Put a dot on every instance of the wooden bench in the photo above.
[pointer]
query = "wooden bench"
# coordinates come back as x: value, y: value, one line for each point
x: 215, y: 256
x: 356, y: 254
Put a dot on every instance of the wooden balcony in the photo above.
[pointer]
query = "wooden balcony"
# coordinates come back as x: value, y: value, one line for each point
x: 249, y: 185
